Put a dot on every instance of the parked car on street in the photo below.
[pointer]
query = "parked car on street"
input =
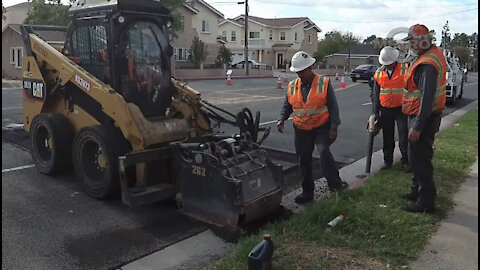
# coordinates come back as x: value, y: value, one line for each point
x: 363, y: 72
x: 255, y: 64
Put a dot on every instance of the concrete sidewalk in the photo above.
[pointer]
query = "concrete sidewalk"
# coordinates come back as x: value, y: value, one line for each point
x: 455, y: 245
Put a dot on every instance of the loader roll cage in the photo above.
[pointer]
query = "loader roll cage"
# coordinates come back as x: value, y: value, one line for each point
x: 127, y: 47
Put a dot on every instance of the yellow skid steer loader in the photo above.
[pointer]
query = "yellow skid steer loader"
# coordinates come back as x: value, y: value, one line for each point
x: 107, y: 105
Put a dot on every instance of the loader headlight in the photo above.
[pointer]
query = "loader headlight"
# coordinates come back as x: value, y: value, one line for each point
x: 121, y: 19
x: 169, y: 24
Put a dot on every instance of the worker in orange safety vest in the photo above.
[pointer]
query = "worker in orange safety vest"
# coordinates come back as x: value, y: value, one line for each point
x: 423, y: 102
x: 312, y: 101
x: 387, y: 102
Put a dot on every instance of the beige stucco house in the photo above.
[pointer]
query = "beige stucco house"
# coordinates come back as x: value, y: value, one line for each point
x: 13, y: 49
x: 201, y: 20
x: 270, y: 41
x: 15, y: 14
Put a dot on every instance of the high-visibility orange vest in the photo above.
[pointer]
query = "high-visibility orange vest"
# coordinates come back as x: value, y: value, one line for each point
x: 391, y: 90
x: 411, y: 96
x: 314, y: 113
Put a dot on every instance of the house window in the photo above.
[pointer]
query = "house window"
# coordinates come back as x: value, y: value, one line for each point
x: 182, y: 22
x: 205, y: 27
x: 310, y: 38
x: 296, y: 36
x: 270, y: 35
x: 254, y: 35
x: 282, y: 36
x: 184, y: 54
x: 234, y: 36
x: 16, y: 54
x: 224, y: 35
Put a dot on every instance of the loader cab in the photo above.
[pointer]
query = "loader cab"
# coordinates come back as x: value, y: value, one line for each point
x: 125, y: 44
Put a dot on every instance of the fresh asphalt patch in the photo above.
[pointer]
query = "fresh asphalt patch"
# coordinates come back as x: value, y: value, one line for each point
x: 17, y: 136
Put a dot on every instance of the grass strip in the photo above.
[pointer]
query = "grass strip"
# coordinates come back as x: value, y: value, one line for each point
x: 376, y: 233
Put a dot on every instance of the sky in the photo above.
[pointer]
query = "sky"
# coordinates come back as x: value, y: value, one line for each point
x: 361, y: 17
x: 364, y: 17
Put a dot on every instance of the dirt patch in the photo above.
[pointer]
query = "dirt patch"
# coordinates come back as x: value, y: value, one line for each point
x: 308, y: 254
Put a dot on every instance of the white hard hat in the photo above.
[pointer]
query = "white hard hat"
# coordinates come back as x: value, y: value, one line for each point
x: 300, y: 61
x: 388, y: 55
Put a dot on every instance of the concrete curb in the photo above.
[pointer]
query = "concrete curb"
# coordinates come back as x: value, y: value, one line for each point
x: 197, y: 250
x: 213, y: 247
x: 455, y: 245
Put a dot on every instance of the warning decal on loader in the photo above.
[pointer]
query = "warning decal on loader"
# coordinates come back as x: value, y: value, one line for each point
x: 34, y: 89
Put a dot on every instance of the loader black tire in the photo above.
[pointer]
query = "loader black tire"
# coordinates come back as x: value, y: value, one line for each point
x: 51, y: 137
x: 95, y: 160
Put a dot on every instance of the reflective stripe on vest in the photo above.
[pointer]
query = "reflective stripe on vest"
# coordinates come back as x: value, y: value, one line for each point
x: 411, y: 97
x: 395, y: 91
x: 309, y: 112
x: 314, y: 112
x: 404, y: 69
x: 391, y: 87
x: 291, y: 86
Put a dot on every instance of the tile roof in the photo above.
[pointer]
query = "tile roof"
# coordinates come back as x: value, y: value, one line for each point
x: 365, y: 49
x: 277, y: 22
x: 46, y: 32
x: 24, y: 5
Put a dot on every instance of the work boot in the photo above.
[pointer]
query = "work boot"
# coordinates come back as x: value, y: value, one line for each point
x: 426, y: 200
x: 406, y: 168
x: 419, y: 207
x: 343, y: 185
x: 412, y: 195
x: 386, y: 166
x: 304, y: 197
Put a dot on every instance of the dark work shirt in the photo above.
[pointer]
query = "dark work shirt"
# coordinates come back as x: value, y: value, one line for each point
x: 334, y: 118
x: 425, y: 77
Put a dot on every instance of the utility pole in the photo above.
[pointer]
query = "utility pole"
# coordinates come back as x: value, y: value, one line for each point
x: 246, y: 38
x: 348, y: 62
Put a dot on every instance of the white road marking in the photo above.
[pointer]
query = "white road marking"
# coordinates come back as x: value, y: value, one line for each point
x: 368, y: 103
x: 468, y: 84
x: 11, y: 88
x: 271, y: 122
x: 18, y: 168
x: 12, y: 108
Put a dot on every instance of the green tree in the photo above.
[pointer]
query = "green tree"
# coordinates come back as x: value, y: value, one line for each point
x: 199, y: 51
x: 473, y: 45
x: 48, y: 13
x: 446, y: 38
x: 460, y: 40
x: 463, y: 54
x: 174, y: 7
x: 369, y: 39
x: 432, y: 34
x: 224, y: 56
x: 334, y: 41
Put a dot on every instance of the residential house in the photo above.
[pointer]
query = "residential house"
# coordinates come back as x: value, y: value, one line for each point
x: 13, y: 49
x: 270, y: 41
x: 201, y: 20
x: 359, y: 54
x: 15, y: 14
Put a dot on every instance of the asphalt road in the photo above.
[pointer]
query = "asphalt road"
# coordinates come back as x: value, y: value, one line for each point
x: 353, y: 101
x: 48, y: 223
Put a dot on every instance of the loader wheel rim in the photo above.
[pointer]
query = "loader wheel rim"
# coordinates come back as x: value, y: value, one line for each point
x: 43, y: 142
x: 91, y: 154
